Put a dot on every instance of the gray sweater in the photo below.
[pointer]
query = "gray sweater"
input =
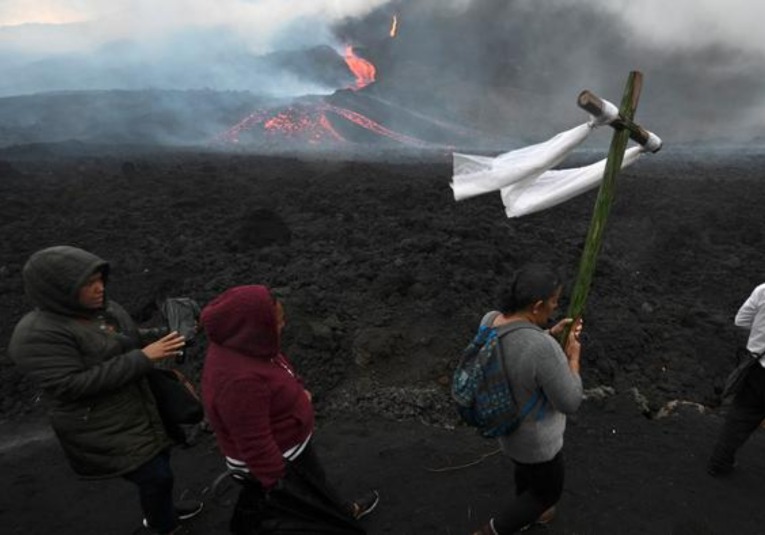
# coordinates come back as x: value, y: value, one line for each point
x: 534, y: 359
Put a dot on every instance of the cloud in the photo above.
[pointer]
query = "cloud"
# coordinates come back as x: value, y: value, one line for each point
x: 93, y: 22
x: 20, y: 12
x: 689, y: 23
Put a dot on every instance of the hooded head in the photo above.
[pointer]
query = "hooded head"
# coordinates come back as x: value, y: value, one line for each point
x: 243, y: 318
x: 54, y: 276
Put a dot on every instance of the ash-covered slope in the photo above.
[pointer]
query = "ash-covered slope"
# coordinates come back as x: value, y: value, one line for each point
x: 151, y: 117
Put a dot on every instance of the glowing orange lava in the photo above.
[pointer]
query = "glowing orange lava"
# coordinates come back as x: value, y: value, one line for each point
x: 362, y: 69
x: 310, y: 123
x: 373, y: 126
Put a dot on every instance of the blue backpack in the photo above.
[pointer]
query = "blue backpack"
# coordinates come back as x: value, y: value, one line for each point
x: 480, y: 387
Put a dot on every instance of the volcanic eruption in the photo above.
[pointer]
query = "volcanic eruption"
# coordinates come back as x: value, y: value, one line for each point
x: 349, y: 116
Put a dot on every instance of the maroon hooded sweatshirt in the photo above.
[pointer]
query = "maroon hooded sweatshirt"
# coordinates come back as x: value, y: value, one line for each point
x: 254, y: 400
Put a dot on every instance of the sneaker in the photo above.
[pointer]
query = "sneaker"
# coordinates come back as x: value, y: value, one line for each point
x: 365, y: 505
x: 544, y: 519
x: 185, y: 510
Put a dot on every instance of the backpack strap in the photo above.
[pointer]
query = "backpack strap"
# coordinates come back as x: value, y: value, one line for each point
x: 538, y: 395
x: 530, y: 404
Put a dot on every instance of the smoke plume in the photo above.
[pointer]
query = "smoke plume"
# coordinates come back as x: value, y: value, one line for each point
x: 504, y: 67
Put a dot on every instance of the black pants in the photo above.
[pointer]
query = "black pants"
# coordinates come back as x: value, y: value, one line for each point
x: 155, y: 489
x: 249, y: 509
x: 538, y: 487
x: 745, y: 415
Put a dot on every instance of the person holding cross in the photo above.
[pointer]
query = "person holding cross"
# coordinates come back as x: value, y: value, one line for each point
x: 536, y: 365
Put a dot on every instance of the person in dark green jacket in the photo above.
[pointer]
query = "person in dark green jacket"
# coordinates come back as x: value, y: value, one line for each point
x: 88, y: 356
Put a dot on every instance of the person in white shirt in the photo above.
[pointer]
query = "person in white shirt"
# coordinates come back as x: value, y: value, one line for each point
x: 748, y: 408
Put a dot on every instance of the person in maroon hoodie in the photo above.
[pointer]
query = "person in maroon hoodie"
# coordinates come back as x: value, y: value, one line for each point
x: 261, y: 411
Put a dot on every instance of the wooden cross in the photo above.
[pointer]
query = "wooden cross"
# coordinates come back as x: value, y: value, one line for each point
x: 624, y: 128
x: 592, y: 103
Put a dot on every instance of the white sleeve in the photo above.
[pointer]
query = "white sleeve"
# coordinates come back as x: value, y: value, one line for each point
x: 748, y: 311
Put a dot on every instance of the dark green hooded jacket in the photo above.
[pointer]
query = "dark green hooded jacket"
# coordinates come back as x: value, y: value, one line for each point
x: 89, y: 365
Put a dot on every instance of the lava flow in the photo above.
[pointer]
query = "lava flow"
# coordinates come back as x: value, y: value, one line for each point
x: 298, y: 122
x: 363, y: 70
x: 310, y: 123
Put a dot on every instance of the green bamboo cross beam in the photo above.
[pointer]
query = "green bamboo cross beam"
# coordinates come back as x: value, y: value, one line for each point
x: 604, y: 200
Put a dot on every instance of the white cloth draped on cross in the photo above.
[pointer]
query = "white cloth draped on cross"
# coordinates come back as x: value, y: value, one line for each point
x: 524, y: 176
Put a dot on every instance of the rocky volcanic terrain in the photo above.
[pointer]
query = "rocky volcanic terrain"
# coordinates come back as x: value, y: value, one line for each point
x: 384, y: 277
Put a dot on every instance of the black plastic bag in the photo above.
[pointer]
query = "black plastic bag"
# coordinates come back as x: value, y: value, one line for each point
x: 181, y: 314
x: 735, y: 381
x: 301, y: 503
x: 302, y: 506
x: 177, y: 401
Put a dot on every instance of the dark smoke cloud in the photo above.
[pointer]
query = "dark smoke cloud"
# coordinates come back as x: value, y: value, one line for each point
x: 516, y: 67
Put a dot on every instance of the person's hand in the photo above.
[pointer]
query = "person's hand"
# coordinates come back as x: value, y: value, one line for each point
x: 576, y: 331
x: 166, y: 347
x: 574, y: 335
x: 573, y: 345
x: 559, y: 327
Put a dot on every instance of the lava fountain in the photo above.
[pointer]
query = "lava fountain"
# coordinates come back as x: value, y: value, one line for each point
x: 363, y: 70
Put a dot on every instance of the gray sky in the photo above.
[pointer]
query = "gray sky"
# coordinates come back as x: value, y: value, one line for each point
x: 675, y: 23
x: 94, y: 22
